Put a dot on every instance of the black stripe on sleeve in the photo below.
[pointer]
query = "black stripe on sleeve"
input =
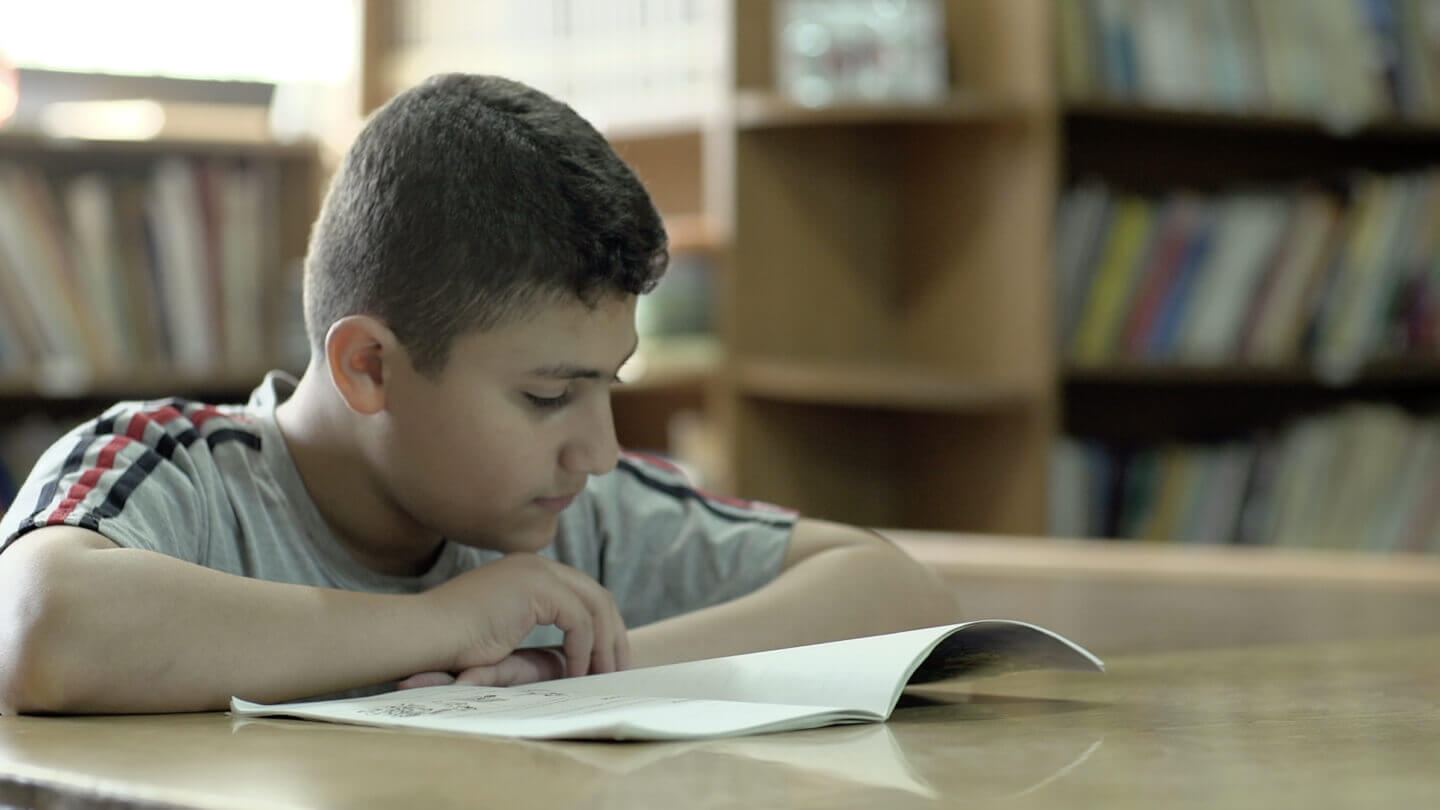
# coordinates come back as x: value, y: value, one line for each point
x: 135, y: 473
x: 70, y: 467
x: 224, y: 435
x: 129, y: 480
x: 687, y: 494
x: 103, y: 425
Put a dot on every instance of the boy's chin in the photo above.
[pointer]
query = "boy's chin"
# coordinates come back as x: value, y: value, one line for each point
x: 529, y: 539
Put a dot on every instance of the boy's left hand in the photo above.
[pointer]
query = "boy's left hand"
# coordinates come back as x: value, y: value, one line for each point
x: 520, y: 667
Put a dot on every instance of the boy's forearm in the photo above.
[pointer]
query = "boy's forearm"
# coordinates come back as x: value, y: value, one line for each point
x: 845, y: 591
x: 120, y: 630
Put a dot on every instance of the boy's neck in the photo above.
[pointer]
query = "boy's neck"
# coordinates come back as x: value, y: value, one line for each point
x: 320, y: 432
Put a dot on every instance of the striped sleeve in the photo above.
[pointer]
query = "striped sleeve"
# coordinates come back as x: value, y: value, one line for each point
x: 129, y: 475
x: 664, y: 547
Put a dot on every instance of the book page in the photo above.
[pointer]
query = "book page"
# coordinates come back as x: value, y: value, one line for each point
x: 854, y: 680
x: 862, y: 674
x: 538, y: 712
x: 988, y: 647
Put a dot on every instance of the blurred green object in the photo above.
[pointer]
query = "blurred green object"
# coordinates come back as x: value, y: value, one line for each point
x: 682, y: 303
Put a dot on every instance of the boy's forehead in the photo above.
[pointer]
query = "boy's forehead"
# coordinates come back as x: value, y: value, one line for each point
x: 554, y: 332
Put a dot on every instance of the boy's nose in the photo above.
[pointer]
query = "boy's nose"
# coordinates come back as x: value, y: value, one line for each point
x: 596, y: 450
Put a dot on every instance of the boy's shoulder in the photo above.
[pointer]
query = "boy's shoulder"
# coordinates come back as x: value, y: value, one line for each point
x: 173, y: 423
x: 141, y: 463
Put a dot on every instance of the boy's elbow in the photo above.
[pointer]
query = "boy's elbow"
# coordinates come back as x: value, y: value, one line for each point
x: 25, y: 685
x: 32, y: 647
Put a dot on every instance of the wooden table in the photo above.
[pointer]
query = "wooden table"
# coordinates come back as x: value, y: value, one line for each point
x: 1238, y: 678
x: 1333, y: 724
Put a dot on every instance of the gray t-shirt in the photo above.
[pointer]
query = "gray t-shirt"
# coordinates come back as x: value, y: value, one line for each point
x: 217, y: 486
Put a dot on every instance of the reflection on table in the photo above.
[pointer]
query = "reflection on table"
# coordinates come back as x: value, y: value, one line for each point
x: 1333, y: 724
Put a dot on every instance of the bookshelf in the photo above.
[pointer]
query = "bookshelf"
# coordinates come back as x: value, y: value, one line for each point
x: 1307, y: 196
x: 879, y: 370
x: 894, y: 340
x: 132, y: 269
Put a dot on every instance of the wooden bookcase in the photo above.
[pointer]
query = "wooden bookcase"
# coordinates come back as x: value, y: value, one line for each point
x: 887, y: 306
x: 1150, y: 418
x: 291, y: 201
x: 1168, y: 149
x: 891, y: 347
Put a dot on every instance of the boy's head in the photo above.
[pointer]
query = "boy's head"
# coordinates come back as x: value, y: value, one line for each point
x: 466, y: 201
x: 470, y: 294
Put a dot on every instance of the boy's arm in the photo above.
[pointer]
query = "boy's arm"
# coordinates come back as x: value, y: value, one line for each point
x: 86, y: 626
x: 836, y: 582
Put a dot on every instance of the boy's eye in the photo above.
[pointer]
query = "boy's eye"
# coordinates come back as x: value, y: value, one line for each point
x: 548, y: 403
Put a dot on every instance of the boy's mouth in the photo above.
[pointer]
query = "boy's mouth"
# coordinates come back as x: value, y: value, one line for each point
x: 557, y: 504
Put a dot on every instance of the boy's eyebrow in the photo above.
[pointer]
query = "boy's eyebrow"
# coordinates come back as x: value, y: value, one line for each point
x: 570, y: 371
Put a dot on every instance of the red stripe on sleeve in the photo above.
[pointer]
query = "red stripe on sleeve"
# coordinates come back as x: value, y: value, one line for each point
x: 166, y: 414
x: 201, y: 416
x: 88, y: 480
x: 141, y: 420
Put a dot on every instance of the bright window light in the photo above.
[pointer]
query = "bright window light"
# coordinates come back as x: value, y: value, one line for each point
x: 278, y: 41
x: 126, y: 120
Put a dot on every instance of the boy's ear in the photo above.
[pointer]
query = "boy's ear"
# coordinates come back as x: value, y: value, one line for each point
x: 360, y: 352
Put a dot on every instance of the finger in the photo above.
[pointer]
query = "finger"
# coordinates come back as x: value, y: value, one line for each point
x: 524, y: 666
x: 567, y: 611
x: 609, y: 626
x: 480, y: 676
x: 622, y: 651
x: 426, y: 679
x: 548, y: 662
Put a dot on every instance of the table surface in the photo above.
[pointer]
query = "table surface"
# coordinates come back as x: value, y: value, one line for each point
x: 1332, y: 724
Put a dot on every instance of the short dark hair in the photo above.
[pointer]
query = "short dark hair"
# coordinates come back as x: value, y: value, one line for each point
x: 465, y: 201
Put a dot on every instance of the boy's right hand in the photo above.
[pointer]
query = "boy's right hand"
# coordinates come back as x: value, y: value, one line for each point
x: 494, y: 607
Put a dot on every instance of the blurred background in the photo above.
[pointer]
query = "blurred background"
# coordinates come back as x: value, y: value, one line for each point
x: 1143, y: 269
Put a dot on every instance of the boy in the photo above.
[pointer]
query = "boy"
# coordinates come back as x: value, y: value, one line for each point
x: 440, y: 496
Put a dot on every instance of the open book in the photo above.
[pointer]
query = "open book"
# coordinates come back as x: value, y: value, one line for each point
x: 853, y: 681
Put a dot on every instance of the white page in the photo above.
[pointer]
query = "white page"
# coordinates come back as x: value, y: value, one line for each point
x: 864, y: 674
x: 858, y: 673
x: 539, y: 713
x: 798, y: 687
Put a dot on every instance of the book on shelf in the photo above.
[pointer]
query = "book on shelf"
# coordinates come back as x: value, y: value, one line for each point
x: 1176, y: 240
x: 1249, y: 229
x: 1137, y: 495
x: 1168, y: 53
x: 856, y: 680
x: 1342, y: 62
x: 19, y: 331
x: 41, y: 289
x: 1371, y: 271
x: 1074, y: 56
x: 1080, y: 231
x: 1276, y: 322
x: 1158, y: 337
x: 90, y: 210
x: 22, y: 441
x: 621, y: 64
x: 1362, y: 477
x: 182, y: 272
x: 1263, y: 277
x: 1233, y: 65
x: 139, y: 246
x: 104, y: 271
x: 1113, y: 279
x: 1114, y: 47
